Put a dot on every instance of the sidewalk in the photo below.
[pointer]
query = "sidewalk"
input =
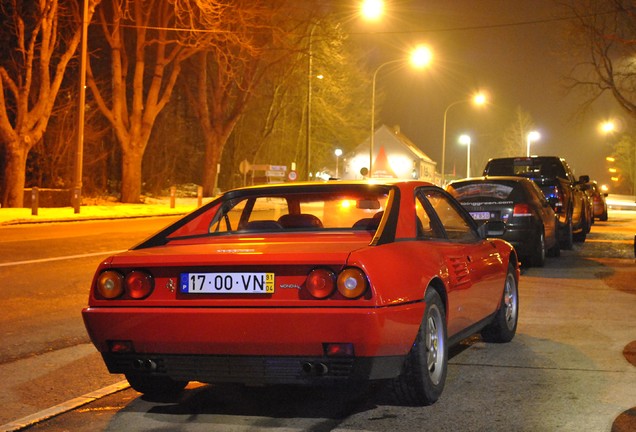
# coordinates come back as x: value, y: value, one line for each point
x: 108, y: 210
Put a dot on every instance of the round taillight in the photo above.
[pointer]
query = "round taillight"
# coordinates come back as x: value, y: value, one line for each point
x: 352, y: 283
x: 139, y: 284
x: 110, y: 284
x: 321, y: 283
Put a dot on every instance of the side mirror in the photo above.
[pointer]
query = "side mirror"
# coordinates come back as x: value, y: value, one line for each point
x: 492, y: 228
x: 584, y: 179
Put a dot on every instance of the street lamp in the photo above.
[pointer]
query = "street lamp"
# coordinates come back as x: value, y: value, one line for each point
x: 338, y: 153
x: 420, y: 58
x: 372, y: 9
x: 607, y: 127
x: 465, y: 140
x: 532, y: 137
x: 478, y: 99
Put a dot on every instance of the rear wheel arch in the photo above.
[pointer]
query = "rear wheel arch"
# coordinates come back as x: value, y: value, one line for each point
x: 438, y: 285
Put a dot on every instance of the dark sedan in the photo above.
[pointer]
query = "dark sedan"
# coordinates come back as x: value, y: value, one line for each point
x: 530, y: 221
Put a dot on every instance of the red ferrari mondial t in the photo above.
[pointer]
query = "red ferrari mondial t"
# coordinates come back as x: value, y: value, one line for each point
x: 306, y: 283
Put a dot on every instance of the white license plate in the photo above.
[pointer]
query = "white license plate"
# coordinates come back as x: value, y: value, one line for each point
x: 227, y: 283
x: 480, y: 215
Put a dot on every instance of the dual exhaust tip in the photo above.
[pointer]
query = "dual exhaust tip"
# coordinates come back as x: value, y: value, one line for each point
x: 309, y: 368
x: 145, y: 364
x: 315, y: 369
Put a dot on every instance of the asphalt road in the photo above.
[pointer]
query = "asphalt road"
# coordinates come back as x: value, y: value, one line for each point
x: 566, y: 370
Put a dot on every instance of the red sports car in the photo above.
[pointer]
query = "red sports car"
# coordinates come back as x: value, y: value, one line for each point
x: 307, y: 283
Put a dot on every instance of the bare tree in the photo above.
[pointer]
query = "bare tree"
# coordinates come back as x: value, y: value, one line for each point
x: 604, y: 36
x: 624, y: 152
x: 515, y: 135
x: 46, y: 35
x: 240, y: 41
x: 273, y: 125
x: 145, y: 56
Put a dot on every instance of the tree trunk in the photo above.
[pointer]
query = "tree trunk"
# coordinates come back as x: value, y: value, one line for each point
x: 14, y: 175
x: 213, y: 150
x: 131, y: 175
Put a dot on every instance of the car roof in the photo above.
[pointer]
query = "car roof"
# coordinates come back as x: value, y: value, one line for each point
x: 525, y: 157
x: 491, y: 178
x: 334, y: 183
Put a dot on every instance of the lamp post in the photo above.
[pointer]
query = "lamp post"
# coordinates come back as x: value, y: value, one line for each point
x: 420, y: 58
x: 310, y: 72
x: 478, y: 99
x: 370, y: 10
x: 338, y: 153
x: 465, y: 140
x: 532, y: 137
x: 79, y: 156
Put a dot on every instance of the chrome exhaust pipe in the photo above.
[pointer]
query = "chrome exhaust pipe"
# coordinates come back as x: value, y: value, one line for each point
x: 309, y: 368
x: 321, y: 369
x: 315, y: 369
x: 150, y: 365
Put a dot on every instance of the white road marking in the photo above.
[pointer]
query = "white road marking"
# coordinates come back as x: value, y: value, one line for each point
x: 41, y: 260
x: 69, y: 405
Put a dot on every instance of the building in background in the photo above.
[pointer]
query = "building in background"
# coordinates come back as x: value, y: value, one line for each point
x: 394, y: 156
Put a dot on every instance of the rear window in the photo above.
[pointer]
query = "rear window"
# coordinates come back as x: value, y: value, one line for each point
x: 289, y: 209
x: 464, y: 192
x: 526, y: 167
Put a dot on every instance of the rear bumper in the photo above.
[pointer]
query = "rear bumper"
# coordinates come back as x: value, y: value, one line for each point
x: 522, y: 238
x: 257, y: 370
x: 256, y: 345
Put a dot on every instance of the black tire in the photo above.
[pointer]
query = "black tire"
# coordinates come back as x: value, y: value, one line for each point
x: 537, y: 259
x: 555, y: 251
x: 504, y: 325
x: 155, y: 385
x: 424, y: 372
x: 603, y: 217
x: 580, y: 236
x: 566, y: 236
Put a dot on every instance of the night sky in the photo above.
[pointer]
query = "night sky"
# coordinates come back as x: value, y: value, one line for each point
x: 516, y: 50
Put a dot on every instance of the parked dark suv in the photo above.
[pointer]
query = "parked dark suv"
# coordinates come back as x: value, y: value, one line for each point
x: 563, y: 191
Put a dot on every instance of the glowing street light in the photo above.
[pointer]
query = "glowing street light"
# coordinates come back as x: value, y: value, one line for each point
x: 465, y: 140
x: 421, y: 57
x: 478, y: 99
x: 372, y: 10
x: 607, y: 127
x: 532, y: 137
x: 338, y: 153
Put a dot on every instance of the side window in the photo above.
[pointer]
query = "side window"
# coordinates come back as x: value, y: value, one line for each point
x: 228, y: 217
x: 426, y: 229
x: 456, y: 226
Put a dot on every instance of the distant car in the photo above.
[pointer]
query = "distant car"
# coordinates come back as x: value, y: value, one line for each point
x: 530, y: 222
x: 562, y: 190
x: 308, y: 283
x: 599, y: 203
